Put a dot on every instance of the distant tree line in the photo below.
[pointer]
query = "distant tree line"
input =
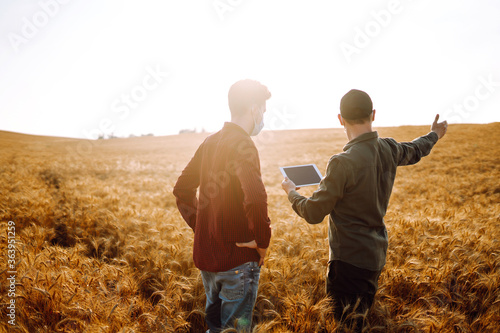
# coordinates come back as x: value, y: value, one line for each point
x: 103, y: 136
x: 192, y: 130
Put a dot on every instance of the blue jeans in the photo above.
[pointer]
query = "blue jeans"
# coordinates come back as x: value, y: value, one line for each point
x: 231, y: 297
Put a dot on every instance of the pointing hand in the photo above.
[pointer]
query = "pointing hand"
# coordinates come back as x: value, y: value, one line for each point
x: 439, y: 128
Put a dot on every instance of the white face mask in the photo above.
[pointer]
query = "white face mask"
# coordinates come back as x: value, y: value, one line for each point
x: 257, y: 127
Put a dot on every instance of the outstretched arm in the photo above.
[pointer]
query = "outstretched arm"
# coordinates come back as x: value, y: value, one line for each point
x: 408, y: 153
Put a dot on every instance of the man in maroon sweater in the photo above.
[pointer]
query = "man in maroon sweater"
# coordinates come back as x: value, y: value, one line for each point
x: 229, y: 218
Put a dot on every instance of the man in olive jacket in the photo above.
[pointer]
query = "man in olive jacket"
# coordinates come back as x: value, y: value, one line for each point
x: 355, y: 193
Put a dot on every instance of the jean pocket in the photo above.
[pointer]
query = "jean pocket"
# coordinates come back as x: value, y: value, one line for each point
x: 233, y: 286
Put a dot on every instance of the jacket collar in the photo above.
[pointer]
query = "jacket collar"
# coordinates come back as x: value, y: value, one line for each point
x: 361, y: 138
x: 233, y: 127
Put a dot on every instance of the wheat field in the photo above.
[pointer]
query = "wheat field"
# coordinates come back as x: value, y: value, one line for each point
x: 101, y: 247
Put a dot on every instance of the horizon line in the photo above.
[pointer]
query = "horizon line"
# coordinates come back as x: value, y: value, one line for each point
x: 203, y: 131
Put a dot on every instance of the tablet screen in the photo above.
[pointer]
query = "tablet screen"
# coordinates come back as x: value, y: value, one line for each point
x: 302, y: 175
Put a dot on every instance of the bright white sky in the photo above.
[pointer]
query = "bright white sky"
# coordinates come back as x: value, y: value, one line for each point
x: 78, y: 67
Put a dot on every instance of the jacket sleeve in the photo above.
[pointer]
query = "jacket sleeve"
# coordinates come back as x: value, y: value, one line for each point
x: 324, y: 199
x: 186, y: 187
x: 407, y: 153
x: 254, y: 195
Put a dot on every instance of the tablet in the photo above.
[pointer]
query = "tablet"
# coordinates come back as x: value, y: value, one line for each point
x: 302, y: 175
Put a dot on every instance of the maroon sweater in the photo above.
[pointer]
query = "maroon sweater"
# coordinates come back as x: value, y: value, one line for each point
x: 232, y: 202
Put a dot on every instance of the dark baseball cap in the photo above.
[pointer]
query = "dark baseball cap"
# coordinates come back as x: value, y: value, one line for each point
x: 356, y: 104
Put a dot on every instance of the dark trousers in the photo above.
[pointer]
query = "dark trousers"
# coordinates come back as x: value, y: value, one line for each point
x: 352, y: 287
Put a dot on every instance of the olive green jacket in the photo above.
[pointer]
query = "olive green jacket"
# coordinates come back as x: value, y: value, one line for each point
x: 355, y: 192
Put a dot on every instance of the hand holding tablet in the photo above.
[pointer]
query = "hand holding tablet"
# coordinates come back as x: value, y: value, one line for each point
x: 302, y: 175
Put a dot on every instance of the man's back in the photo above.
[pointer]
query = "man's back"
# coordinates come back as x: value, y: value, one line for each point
x: 356, y: 192
x: 232, y: 204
